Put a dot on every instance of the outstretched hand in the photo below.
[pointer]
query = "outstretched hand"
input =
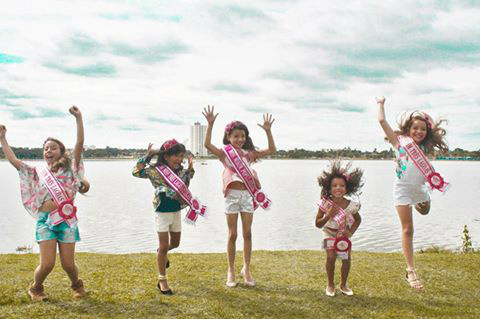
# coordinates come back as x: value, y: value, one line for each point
x: 190, y: 161
x: 150, y: 149
x: 3, y: 131
x: 209, y: 114
x: 380, y: 99
x: 267, y: 122
x: 75, y: 111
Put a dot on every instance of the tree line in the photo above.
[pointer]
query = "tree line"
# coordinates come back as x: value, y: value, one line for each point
x: 297, y: 153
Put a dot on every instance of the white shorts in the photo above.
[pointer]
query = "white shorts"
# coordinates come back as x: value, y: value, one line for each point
x: 405, y: 194
x: 165, y: 222
x: 238, y: 201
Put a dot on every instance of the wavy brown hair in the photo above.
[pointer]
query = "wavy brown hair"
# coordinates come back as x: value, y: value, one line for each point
x: 435, y: 137
x: 248, y: 145
x: 353, y: 178
x: 64, y: 161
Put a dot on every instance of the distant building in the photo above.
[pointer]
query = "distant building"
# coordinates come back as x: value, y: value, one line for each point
x: 197, y: 139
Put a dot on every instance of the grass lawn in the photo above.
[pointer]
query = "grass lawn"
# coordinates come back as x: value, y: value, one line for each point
x: 290, y: 284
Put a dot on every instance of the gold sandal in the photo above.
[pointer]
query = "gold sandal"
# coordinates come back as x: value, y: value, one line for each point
x: 411, y: 278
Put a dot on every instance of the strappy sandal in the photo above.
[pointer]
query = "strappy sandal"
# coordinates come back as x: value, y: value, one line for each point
x: 36, y: 294
x: 78, y: 289
x: 412, y: 279
x: 164, y: 292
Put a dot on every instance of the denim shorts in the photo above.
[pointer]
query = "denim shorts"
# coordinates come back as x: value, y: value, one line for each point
x: 61, y: 232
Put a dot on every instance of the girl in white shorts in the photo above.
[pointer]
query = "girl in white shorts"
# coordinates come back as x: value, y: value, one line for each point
x: 167, y: 203
x: 409, y: 187
x: 237, y: 199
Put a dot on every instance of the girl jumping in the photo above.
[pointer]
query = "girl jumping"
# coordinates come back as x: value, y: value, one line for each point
x: 417, y: 137
x: 339, y: 218
x: 241, y: 186
x: 48, y: 194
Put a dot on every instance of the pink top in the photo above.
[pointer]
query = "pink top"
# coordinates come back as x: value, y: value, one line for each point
x: 229, y: 174
x: 34, y: 193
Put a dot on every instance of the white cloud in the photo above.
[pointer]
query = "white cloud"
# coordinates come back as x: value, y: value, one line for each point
x: 315, y: 66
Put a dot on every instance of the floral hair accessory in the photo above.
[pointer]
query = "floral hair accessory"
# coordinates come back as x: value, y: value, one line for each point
x: 428, y: 120
x: 347, y: 177
x: 169, y: 144
x: 231, y: 125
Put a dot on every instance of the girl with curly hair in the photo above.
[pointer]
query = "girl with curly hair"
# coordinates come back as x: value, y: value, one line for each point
x: 418, y: 137
x: 339, y: 219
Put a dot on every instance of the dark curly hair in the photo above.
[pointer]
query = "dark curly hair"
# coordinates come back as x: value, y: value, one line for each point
x: 435, y: 137
x: 64, y: 161
x: 160, y: 154
x: 248, y: 145
x: 352, y: 177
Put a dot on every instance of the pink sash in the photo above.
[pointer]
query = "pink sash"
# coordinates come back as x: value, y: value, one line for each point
x: 342, y: 244
x: 182, y: 190
x: 66, y: 210
x: 243, y: 171
x: 434, y: 179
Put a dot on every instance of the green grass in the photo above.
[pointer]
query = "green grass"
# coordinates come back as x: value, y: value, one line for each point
x: 290, y: 284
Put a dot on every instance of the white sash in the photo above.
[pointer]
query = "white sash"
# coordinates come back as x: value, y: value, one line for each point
x: 182, y: 190
x: 66, y: 210
x: 434, y: 179
x: 243, y: 171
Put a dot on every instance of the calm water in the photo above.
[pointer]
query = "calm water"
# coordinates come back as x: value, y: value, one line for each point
x: 117, y: 215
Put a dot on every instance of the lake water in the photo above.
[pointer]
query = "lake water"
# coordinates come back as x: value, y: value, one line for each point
x: 117, y: 215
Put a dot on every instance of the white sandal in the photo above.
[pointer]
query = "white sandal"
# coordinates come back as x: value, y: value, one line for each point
x: 411, y: 278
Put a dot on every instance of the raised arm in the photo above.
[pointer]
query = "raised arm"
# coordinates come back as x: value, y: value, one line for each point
x: 78, y: 150
x: 391, y: 136
x: 267, y: 126
x: 210, y: 116
x: 9, y: 154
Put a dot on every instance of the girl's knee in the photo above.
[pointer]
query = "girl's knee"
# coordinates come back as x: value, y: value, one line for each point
x: 163, y: 249
x: 407, y: 230
x: 46, y: 267
x: 247, y: 235
x: 232, y: 236
x: 174, y: 244
x: 69, y: 267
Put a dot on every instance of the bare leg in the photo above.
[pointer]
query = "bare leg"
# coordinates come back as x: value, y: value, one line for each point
x: 247, y: 219
x: 330, y: 268
x: 67, y: 258
x: 48, y: 251
x: 345, y: 271
x: 405, y: 214
x: 174, y: 240
x: 232, y: 220
x: 164, y: 243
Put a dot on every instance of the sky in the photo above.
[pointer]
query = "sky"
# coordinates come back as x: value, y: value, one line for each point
x: 142, y: 71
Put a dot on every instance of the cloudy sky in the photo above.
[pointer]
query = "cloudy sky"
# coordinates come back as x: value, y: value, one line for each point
x: 142, y: 71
